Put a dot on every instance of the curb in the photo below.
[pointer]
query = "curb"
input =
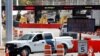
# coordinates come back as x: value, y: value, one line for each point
x: 2, y: 48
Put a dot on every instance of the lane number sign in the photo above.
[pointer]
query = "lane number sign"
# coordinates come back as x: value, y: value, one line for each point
x: 82, y: 46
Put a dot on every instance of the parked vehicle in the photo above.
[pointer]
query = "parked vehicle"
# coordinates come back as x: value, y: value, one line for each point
x: 35, y: 42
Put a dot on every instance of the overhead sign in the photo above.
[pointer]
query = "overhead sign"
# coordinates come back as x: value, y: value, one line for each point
x: 55, y: 7
x: 81, y: 25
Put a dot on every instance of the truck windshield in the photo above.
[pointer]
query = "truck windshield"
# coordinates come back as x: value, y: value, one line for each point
x: 26, y: 37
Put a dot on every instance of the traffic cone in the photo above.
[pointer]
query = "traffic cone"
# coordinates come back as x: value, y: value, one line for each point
x: 7, y: 52
x: 60, y: 50
x: 48, y: 50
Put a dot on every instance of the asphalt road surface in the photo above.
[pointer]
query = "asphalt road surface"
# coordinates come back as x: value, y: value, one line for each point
x: 2, y: 53
x: 69, y: 54
x: 42, y: 54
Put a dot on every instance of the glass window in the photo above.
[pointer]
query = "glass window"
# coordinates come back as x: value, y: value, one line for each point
x: 48, y: 36
x: 26, y: 37
x: 38, y: 37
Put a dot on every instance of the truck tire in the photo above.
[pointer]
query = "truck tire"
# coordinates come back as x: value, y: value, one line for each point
x: 65, y: 49
x: 12, y: 54
x: 25, y: 52
x: 11, y: 51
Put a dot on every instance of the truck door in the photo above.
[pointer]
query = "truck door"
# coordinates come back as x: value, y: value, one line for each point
x: 38, y: 43
x: 49, y: 40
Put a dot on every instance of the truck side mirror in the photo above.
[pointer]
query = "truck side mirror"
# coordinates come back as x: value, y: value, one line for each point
x: 60, y: 28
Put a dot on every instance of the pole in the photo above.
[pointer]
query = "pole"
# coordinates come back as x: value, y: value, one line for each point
x: 1, y: 27
x: 9, y: 21
x: 17, y: 2
x: 79, y: 35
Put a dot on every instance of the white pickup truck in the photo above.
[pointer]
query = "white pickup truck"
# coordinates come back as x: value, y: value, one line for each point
x: 35, y: 42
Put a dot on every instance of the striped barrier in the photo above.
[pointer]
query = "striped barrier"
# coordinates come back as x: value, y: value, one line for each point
x: 48, y: 50
x: 15, y: 33
x: 34, y: 25
x: 91, y: 52
x: 20, y: 33
x: 97, y: 33
x: 7, y: 52
x: 60, y: 50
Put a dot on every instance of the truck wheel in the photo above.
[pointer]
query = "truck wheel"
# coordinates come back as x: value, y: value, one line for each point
x: 12, y: 54
x: 25, y: 52
x: 65, y: 49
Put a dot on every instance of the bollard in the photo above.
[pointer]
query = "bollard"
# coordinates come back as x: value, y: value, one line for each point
x: 48, y: 50
x: 60, y: 50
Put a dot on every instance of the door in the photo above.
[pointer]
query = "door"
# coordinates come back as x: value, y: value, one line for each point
x: 37, y: 43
